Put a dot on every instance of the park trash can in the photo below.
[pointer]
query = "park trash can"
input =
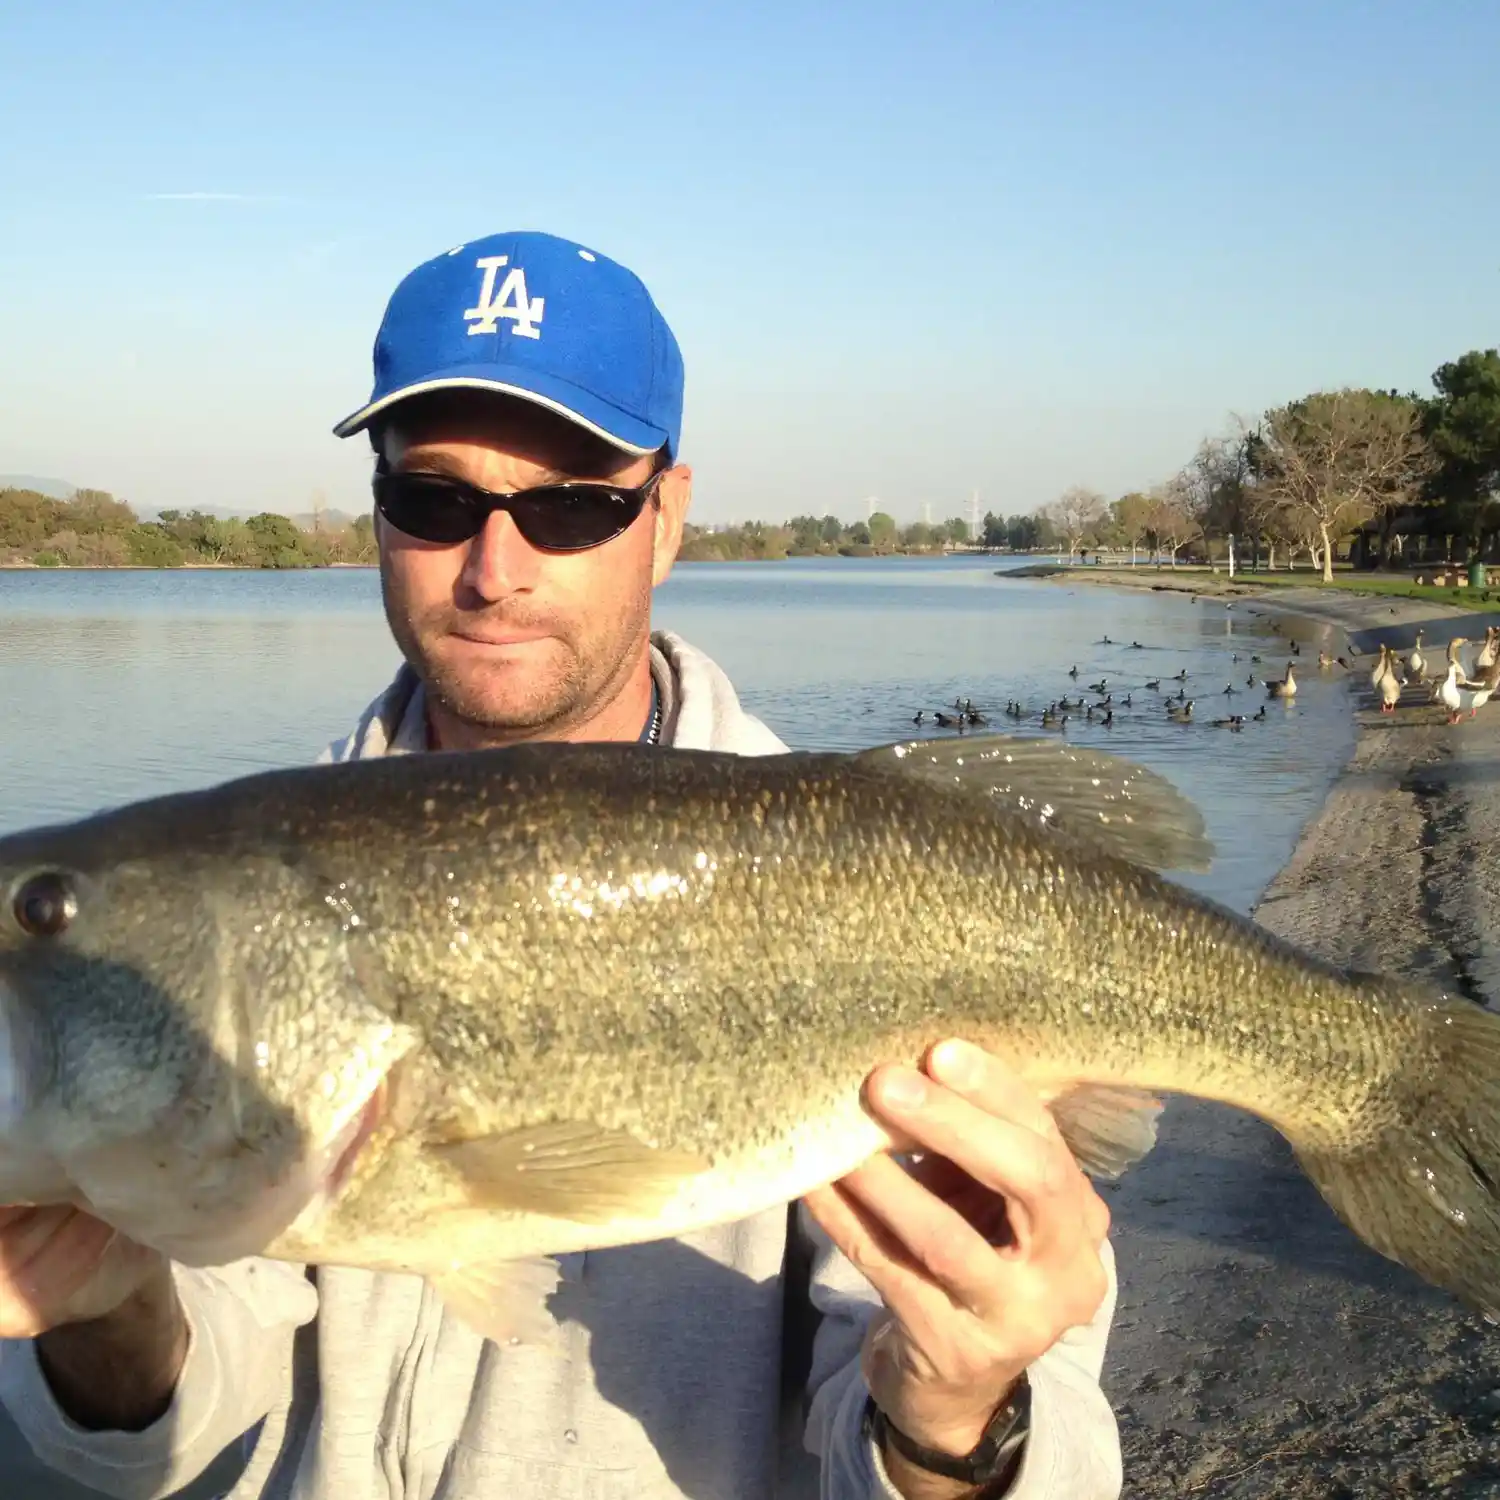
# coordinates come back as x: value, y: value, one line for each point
x: 1476, y: 574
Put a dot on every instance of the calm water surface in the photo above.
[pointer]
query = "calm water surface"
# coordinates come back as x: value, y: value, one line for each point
x: 118, y: 685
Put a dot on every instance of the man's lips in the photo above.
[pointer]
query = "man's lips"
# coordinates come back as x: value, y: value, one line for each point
x: 501, y: 637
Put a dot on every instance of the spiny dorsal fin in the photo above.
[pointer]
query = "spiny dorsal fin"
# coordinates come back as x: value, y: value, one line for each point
x: 1114, y: 804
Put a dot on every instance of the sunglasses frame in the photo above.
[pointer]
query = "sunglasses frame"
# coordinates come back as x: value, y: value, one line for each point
x: 481, y: 504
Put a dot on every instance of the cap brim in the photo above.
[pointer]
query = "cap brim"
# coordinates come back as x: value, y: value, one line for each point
x: 560, y: 396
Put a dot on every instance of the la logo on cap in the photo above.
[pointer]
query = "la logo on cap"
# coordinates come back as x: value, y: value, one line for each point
x: 512, y: 301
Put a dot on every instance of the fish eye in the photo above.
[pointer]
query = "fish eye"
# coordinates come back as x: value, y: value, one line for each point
x: 45, y: 904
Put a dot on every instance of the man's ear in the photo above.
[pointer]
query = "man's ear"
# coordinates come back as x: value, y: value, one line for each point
x: 674, y: 495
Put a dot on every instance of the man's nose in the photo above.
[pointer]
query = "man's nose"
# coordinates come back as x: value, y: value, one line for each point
x: 501, y: 561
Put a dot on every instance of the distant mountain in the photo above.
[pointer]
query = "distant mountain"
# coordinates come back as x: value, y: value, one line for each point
x: 331, y: 520
x: 58, y: 489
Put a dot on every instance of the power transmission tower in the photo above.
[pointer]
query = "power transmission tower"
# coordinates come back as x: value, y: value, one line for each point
x: 974, y: 532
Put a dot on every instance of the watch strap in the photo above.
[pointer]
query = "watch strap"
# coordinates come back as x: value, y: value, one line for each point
x: 997, y: 1455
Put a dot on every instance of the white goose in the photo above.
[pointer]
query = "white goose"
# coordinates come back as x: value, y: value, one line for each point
x: 1416, y: 663
x: 1484, y: 688
x: 1388, y: 684
x: 1449, y: 694
x: 1489, y: 653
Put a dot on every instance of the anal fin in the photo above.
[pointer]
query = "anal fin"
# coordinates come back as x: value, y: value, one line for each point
x: 505, y: 1301
x: 1108, y: 1127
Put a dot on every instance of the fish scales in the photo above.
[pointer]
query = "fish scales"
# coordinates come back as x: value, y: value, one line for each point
x: 429, y: 1011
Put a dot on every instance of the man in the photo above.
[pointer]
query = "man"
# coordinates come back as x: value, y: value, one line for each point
x: 927, y: 1331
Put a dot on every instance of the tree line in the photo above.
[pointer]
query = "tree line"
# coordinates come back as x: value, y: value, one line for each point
x: 820, y: 536
x: 1382, y: 473
x: 94, y: 529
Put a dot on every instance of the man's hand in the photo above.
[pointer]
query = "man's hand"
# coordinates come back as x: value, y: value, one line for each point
x: 984, y: 1254
x: 111, y: 1336
x: 58, y: 1265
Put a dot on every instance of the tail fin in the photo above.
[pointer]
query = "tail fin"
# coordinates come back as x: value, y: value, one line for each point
x: 1424, y: 1189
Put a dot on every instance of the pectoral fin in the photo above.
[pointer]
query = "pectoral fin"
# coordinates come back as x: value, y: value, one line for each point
x: 569, y: 1170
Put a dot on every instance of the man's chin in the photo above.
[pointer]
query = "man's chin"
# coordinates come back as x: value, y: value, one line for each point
x: 503, y: 693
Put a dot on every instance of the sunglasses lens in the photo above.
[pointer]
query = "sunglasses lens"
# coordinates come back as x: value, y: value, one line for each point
x: 571, y: 517
x: 427, y: 507
x: 557, y: 518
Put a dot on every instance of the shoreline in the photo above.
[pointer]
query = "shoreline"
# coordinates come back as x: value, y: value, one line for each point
x: 1260, y: 1350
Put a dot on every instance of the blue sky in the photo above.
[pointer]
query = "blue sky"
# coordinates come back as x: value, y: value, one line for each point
x: 909, y: 251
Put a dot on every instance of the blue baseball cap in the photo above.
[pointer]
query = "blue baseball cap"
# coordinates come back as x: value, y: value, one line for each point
x: 537, y: 317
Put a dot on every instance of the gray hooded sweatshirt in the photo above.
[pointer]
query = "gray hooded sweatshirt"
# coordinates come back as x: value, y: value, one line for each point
x: 723, y: 1365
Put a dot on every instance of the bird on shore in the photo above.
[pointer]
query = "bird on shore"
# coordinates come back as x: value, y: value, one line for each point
x: 1386, y: 665
x: 1489, y: 653
x: 1483, y: 687
x: 1450, y: 694
x: 1282, y: 687
x: 1387, y: 683
x: 1416, y: 663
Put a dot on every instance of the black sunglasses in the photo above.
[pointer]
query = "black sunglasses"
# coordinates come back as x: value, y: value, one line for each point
x: 553, y: 517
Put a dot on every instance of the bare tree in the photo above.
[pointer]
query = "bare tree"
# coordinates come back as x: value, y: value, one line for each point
x: 1076, y: 513
x: 1172, y: 515
x: 1333, y: 460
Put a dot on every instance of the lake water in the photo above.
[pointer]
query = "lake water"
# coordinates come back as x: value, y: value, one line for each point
x: 119, y: 685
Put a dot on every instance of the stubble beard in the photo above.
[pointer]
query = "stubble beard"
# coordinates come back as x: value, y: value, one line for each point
x: 568, y: 683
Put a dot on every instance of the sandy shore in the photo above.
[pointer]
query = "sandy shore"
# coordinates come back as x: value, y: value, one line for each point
x: 1260, y: 1350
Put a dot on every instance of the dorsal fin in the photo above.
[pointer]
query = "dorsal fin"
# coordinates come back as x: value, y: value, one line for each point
x: 1117, y: 806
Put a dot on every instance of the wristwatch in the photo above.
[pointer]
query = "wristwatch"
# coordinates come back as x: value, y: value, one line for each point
x: 996, y: 1457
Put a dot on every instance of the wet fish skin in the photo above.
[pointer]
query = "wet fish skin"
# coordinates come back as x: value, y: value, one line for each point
x: 522, y: 1002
